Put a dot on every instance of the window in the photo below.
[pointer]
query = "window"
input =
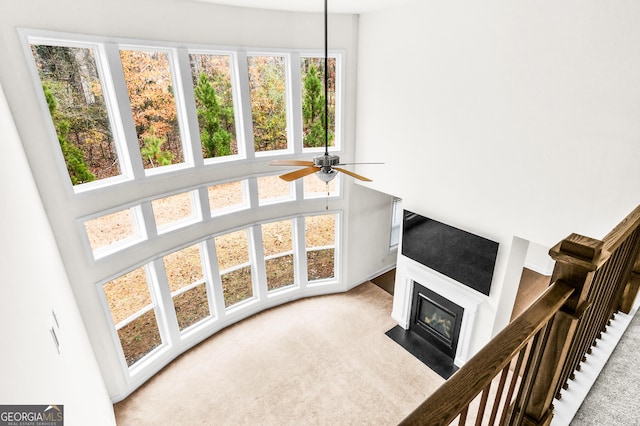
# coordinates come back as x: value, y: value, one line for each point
x: 320, y: 235
x: 164, y: 146
x: 232, y: 250
x: 133, y: 115
x: 268, y: 102
x: 114, y: 231
x: 228, y: 197
x: 175, y: 211
x: 151, y: 96
x: 396, y: 223
x: 277, y: 242
x: 272, y: 189
x: 71, y: 80
x: 187, y: 284
x: 133, y: 314
x: 211, y: 74
x: 313, y: 101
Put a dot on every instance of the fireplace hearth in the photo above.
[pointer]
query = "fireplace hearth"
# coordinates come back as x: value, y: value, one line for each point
x: 420, y: 348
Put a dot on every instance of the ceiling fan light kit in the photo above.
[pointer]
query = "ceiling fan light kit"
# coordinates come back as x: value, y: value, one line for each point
x: 322, y: 165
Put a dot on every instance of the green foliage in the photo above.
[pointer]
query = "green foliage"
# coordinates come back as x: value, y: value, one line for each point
x: 216, y: 141
x: 268, y: 103
x: 313, y: 113
x: 152, y: 149
x: 51, y: 100
x: 73, y: 156
x: 74, y: 96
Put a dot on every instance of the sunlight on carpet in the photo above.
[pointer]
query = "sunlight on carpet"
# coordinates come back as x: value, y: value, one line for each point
x: 322, y: 360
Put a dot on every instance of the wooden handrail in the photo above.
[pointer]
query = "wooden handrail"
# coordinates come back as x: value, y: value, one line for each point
x: 461, y: 389
x: 622, y: 231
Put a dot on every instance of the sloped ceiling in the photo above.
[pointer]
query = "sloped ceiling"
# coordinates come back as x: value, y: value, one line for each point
x: 334, y: 6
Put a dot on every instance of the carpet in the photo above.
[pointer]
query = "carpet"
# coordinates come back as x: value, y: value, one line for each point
x: 316, y: 361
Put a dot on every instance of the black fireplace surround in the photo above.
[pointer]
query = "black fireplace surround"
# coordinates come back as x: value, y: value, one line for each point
x: 436, y: 319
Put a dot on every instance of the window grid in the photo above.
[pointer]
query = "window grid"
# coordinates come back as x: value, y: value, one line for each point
x: 131, y: 304
x: 128, y: 142
x: 160, y: 309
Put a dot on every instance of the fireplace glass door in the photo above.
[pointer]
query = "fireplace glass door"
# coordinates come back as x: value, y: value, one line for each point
x: 437, y: 319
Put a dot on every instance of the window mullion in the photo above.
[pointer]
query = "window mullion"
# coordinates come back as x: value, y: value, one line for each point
x: 294, y: 107
x: 203, y: 202
x: 256, y: 256
x: 209, y: 278
x: 215, y: 283
x: 337, y: 247
x: 245, y: 123
x: 148, y: 221
x: 254, y: 197
x: 167, y: 320
x: 112, y: 53
x: 187, y: 108
x: 300, y: 249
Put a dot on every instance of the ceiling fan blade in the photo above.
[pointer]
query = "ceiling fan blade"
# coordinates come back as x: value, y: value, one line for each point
x: 299, y: 173
x: 291, y: 163
x: 355, y: 175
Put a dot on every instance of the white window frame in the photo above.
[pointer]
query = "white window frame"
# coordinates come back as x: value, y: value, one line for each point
x: 134, y: 189
x: 112, y: 105
x: 396, y: 224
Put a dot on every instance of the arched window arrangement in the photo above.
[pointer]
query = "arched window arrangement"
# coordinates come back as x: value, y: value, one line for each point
x: 128, y: 116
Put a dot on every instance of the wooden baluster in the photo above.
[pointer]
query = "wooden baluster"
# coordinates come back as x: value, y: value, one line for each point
x: 483, y: 404
x: 631, y: 289
x: 508, y: 412
x: 628, y: 229
x: 577, y: 257
x: 498, y: 396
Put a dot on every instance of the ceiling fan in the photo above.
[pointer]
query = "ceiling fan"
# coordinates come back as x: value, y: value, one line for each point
x: 323, y: 165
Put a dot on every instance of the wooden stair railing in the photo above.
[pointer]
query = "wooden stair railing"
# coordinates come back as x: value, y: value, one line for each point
x: 520, y: 343
x: 592, y: 280
x: 611, y: 287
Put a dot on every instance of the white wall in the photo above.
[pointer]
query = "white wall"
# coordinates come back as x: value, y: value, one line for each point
x: 512, y: 118
x: 369, y: 236
x: 506, y: 119
x: 34, y: 284
x: 538, y: 259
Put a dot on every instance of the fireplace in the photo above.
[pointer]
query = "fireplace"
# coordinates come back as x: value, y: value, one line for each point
x: 421, y: 292
x: 436, y: 319
x: 458, y: 267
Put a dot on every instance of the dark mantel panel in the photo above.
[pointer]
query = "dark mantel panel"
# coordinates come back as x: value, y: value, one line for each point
x: 461, y: 255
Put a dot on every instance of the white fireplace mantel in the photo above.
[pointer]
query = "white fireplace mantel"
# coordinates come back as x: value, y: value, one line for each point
x: 456, y: 292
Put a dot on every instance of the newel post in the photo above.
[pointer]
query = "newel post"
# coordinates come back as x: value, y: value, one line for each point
x: 577, y: 258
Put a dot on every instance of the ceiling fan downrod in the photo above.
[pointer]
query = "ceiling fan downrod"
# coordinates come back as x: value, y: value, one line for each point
x: 326, y: 80
x: 324, y: 166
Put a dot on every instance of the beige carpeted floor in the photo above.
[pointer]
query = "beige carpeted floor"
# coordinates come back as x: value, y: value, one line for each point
x: 317, y: 361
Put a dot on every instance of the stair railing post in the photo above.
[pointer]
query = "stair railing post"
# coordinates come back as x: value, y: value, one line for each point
x: 577, y: 258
